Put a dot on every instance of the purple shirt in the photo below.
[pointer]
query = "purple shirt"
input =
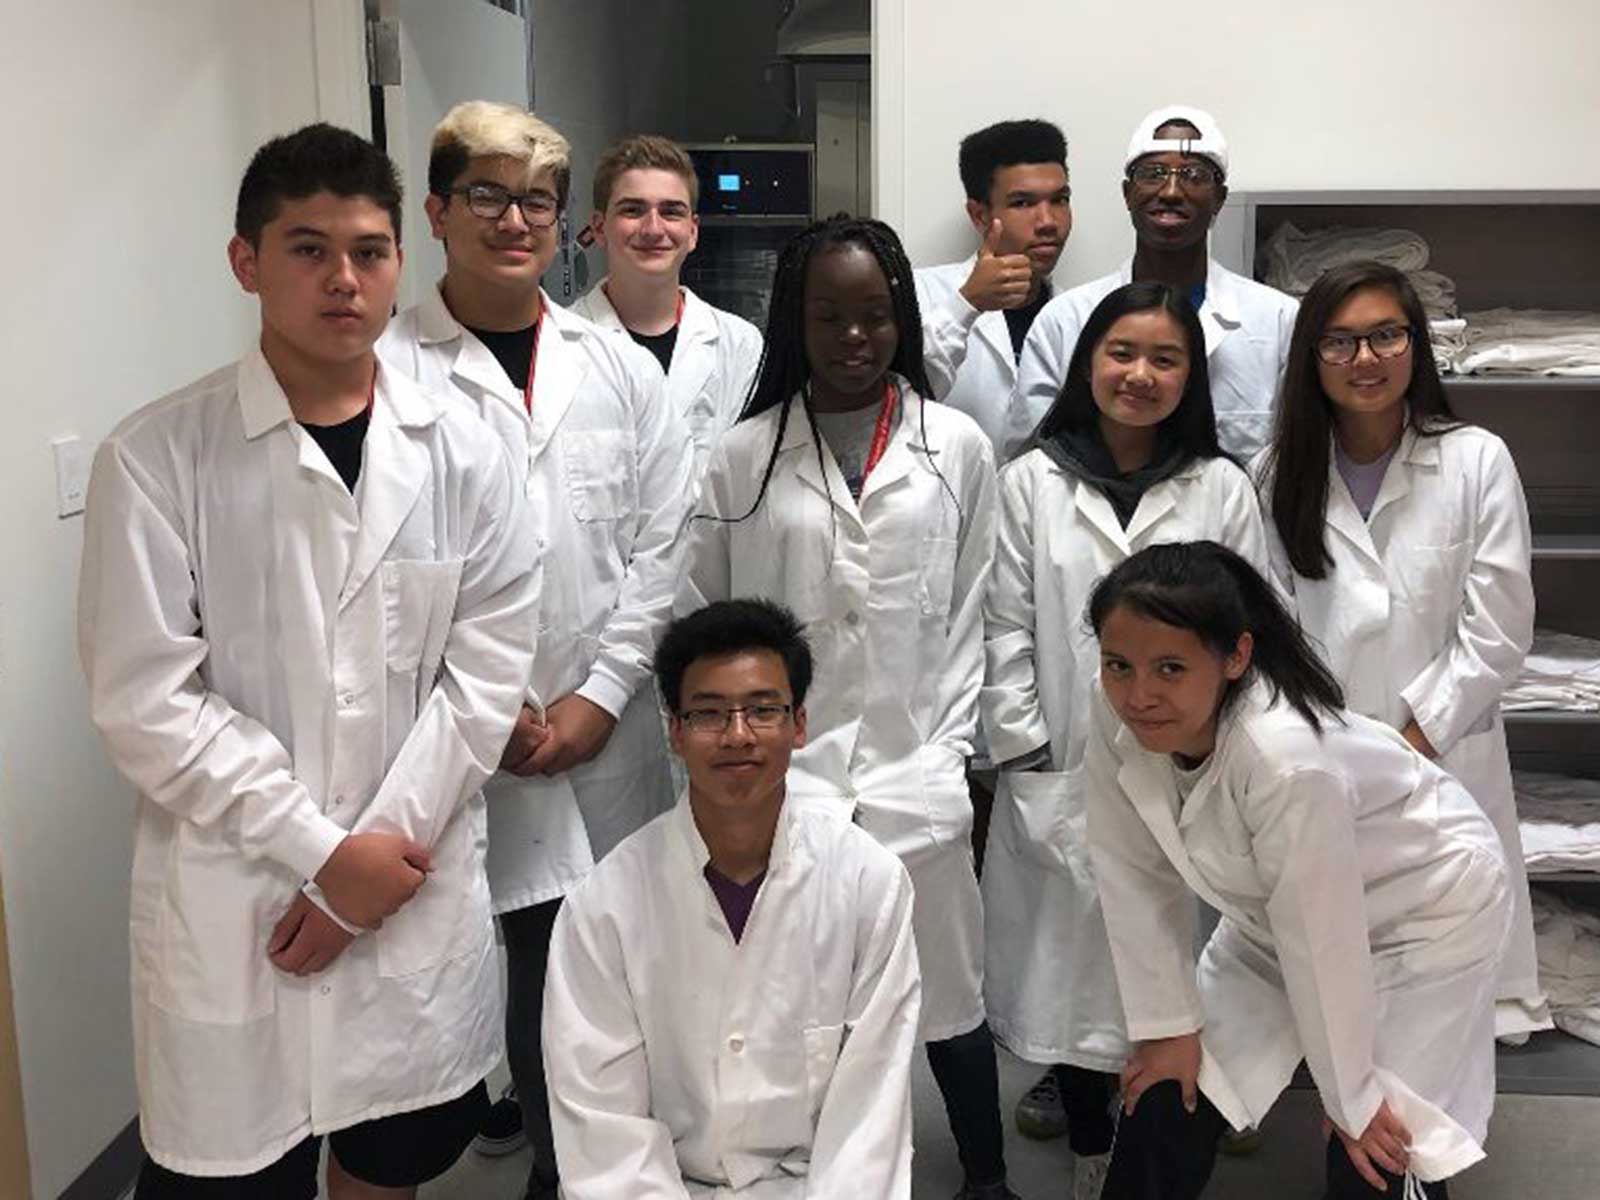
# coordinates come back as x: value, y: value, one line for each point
x: 1363, y: 479
x: 737, y: 899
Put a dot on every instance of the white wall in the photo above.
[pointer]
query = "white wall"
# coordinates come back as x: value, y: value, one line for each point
x: 1365, y: 94
x: 128, y: 126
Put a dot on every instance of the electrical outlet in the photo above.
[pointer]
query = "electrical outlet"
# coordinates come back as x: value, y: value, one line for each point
x: 73, y: 460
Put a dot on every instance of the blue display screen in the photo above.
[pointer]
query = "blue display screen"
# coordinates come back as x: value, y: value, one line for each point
x: 727, y: 183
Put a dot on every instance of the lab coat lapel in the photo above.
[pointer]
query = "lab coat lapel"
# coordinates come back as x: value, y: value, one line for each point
x: 1219, y: 315
x: 824, y: 478
x: 393, y: 469
x: 1097, y: 510
x: 992, y: 328
x: 1146, y: 780
x: 694, y: 356
x: 899, y: 455
x: 1345, y: 519
x: 561, y: 365
x: 1154, y: 505
x: 1413, y: 452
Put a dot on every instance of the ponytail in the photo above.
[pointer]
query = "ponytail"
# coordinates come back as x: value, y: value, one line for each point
x: 1216, y: 595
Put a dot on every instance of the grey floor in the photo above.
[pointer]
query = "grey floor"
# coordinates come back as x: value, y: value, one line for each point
x: 1543, y: 1147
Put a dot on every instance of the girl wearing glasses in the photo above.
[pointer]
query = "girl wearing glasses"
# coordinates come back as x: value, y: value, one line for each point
x: 845, y: 495
x: 1402, y: 535
x: 1127, y: 456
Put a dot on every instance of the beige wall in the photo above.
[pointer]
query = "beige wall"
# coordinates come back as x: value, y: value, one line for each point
x: 13, y: 1138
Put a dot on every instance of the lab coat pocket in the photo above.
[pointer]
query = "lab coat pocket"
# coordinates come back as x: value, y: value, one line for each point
x: 937, y: 577
x: 1433, y: 580
x: 217, y: 915
x: 823, y: 1044
x: 598, y: 465
x: 1050, y: 818
x: 449, y: 915
x: 419, y: 602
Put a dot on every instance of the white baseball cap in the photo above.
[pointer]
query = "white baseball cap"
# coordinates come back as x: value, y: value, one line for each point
x: 1210, y: 144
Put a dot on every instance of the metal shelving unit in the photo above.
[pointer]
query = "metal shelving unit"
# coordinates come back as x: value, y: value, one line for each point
x: 1519, y: 249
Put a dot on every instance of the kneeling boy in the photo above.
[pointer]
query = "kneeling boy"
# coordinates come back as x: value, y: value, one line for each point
x: 731, y: 1005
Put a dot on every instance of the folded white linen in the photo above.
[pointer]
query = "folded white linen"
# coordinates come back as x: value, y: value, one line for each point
x: 1568, y: 942
x: 1531, y: 341
x: 1560, y: 821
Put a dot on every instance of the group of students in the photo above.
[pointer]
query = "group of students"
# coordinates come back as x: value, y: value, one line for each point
x: 392, y: 624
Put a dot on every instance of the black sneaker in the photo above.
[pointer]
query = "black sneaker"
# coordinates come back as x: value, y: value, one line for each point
x: 501, y: 1132
x: 1040, y: 1114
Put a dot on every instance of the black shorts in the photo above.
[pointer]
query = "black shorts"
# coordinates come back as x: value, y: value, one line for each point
x: 402, y: 1150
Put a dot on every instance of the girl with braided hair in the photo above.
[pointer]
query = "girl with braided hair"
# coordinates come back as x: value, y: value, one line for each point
x: 867, y: 509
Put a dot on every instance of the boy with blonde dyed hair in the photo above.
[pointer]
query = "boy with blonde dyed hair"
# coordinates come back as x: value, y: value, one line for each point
x: 604, y: 462
x: 645, y: 194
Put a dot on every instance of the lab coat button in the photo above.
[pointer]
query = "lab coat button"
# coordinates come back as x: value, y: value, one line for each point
x: 852, y: 617
x: 346, y: 699
x: 326, y: 990
x: 736, y: 1044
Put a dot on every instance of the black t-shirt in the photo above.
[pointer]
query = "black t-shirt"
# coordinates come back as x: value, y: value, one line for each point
x: 512, y: 350
x: 659, y: 344
x: 342, y: 444
x: 1020, y: 320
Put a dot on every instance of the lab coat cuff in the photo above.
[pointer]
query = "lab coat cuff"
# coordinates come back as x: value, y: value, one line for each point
x: 1005, y: 745
x: 314, y: 894
x: 304, y: 846
x: 1154, y: 1028
x: 1432, y: 719
x: 1363, y: 1106
x: 961, y: 313
x: 608, y: 693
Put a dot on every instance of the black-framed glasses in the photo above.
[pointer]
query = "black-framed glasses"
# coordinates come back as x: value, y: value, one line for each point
x: 716, y: 720
x: 1387, y: 341
x: 490, y: 201
x: 1192, y: 177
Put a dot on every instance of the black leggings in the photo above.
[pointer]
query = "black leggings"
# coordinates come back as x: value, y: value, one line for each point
x: 527, y: 936
x: 1087, y: 1097
x: 964, y: 1068
x: 1165, y: 1153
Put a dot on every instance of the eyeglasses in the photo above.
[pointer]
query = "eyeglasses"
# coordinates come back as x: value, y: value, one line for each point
x: 490, y: 201
x: 1192, y: 177
x: 1340, y: 349
x: 716, y: 720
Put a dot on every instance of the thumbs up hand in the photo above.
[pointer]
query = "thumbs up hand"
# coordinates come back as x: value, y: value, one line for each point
x: 997, y: 280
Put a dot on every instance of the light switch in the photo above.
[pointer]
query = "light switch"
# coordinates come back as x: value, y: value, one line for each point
x: 73, y: 460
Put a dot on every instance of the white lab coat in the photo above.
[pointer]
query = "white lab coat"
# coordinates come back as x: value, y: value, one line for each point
x: 1050, y: 989
x: 967, y: 353
x: 1247, y: 327
x: 1427, y: 611
x: 683, y: 1064
x: 274, y: 663
x: 714, y: 363
x: 1364, y: 906
x: 891, y: 593
x: 604, y: 463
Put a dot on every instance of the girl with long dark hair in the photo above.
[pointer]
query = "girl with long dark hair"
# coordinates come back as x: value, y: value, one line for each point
x: 869, y: 511
x: 1403, y: 536
x: 1363, y: 893
x: 1126, y: 457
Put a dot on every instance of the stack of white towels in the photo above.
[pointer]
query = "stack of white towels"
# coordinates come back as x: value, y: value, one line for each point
x: 1293, y: 259
x: 1562, y: 672
x: 1530, y: 341
x: 1568, y: 944
x: 1495, y: 341
x: 1560, y: 822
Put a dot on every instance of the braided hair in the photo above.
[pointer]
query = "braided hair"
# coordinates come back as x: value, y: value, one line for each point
x: 785, y: 372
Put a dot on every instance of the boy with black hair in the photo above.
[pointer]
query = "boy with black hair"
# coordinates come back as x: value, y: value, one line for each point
x: 303, y: 608
x: 605, y: 463
x: 645, y: 193
x: 1020, y: 207
x: 732, y: 1001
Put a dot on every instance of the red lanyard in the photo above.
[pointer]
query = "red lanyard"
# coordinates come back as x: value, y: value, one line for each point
x: 880, y: 431
x: 533, y: 359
